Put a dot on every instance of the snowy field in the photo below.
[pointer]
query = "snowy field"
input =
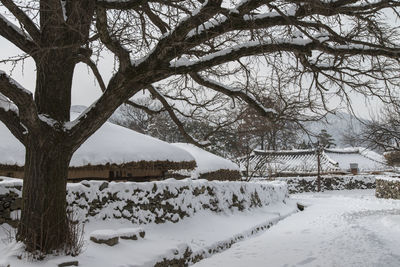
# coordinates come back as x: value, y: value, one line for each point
x: 202, y: 231
x: 338, y: 228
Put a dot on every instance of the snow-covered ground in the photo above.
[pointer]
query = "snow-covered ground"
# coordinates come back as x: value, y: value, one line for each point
x: 338, y: 228
x: 202, y: 231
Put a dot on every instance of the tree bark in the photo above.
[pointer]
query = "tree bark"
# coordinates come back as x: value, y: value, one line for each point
x: 55, y: 71
x: 43, y: 223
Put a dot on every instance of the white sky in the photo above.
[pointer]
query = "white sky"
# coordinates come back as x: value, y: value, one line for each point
x: 85, y: 89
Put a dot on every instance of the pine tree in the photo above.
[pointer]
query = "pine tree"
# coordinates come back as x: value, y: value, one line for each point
x: 325, y: 139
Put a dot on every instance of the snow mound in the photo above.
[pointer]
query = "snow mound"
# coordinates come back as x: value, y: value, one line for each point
x: 206, y: 161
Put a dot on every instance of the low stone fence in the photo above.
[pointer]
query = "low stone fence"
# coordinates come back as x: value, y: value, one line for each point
x: 388, y: 187
x: 159, y: 202
x: 329, y: 182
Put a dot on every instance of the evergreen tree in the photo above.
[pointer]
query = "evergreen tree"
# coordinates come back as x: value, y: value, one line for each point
x: 325, y: 139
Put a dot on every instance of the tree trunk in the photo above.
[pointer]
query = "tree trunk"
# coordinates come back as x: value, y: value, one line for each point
x: 43, y: 223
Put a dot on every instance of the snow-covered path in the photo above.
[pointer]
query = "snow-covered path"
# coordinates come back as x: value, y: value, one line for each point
x: 346, y: 228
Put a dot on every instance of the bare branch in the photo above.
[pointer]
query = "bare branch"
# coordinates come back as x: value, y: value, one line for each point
x: 155, y: 19
x: 174, y: 118
x: 148, y: 110
x: 92, y: 65
x: 245, y: 96
x: 112, y: 44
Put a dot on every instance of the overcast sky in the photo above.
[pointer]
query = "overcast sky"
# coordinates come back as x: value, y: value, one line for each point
x: 85, y: 89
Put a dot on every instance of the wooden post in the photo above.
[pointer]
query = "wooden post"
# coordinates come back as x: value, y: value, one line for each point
x: 319, y: 167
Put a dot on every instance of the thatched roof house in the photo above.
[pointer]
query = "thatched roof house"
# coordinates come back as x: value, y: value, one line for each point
x: 112, y: 153
x: 305, y: 162
x: 209, y: 165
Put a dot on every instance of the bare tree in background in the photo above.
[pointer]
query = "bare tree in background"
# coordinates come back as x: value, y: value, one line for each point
x: 177, y: 50
x: 383, y: 131
x: 351, y: 136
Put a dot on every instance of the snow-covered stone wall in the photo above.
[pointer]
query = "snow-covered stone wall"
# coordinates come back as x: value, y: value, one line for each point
x: 388, y: 187
x: 159, y: 202
x: 329, y: 182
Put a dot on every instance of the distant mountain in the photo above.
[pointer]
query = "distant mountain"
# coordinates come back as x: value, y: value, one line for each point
x: 336, y: 126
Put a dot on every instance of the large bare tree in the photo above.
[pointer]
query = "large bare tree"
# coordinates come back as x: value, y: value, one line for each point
x: 326, y: 47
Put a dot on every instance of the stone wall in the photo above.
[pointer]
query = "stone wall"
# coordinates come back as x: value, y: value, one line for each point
x: 159, y: 202
x: 388, y: 187
x: 329, y: 182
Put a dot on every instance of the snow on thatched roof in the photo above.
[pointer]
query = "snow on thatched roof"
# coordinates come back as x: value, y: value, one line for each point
x: 206, y: 162
x: 111, y: 144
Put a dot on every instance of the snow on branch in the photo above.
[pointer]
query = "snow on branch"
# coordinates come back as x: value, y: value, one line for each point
x: 245, y: 96
x: 7, y: 105
x: 13, y: 90
x: 295, y: 45
x: 246, y: 49
x: 172, y: 43
x: 21, y: 97
x: 15, y: 35
x: 23, y: 19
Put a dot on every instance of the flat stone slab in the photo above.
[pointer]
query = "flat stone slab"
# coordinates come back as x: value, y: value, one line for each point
x: 68, y: 263
x: 131, y: 233
x: 106, y: 236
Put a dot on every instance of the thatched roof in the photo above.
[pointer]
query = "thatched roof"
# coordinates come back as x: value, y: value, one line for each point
x: 207, y: 162
x: 110, y: 145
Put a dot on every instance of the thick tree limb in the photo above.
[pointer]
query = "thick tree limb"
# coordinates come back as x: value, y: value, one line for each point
x: 13, y: 34
x: 172, y: 45
x: 23, y: 19
x: 11, y: 119
x: 22, y: 98
x: 103, y: 87
x: 130, y: 4
x: 297, y: 46
x: 121, y: 5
